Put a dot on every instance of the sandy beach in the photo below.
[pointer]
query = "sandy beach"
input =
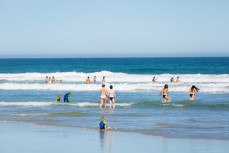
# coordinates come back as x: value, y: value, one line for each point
x: 22, y: 138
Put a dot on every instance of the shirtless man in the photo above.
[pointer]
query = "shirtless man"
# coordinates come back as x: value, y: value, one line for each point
x: 88, y: 81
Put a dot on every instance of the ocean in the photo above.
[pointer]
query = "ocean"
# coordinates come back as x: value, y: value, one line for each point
x: 26, y: 98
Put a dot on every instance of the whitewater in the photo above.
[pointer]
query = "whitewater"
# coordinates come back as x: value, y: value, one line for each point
x: 74, y: 81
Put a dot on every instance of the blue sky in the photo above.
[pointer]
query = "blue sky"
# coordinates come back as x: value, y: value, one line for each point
x: 70, y: 28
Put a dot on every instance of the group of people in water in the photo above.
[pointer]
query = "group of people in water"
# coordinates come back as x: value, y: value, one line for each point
x: 172, y: 79
x: 51, y: 80
x: 165, y: 93
x: 66, y: 96
x: 109, y: 94
x: 88, y: 80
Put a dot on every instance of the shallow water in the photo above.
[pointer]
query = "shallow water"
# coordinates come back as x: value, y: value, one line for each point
x: 24, y: 96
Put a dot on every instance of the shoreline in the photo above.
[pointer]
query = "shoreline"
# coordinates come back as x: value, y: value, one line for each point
x: 30, y: 138
x: 110, y: 130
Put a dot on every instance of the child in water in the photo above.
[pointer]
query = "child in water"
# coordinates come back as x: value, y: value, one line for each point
x: 102, y: 124
x: 58, y: 97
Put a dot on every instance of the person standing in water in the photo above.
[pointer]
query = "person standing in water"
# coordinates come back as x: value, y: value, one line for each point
x: 66, y: 96
x: 50, y: 80
x: 46, y: 79
x: 94, y: 79
x: 53, y: 80
x: 103, y: 96
x: 154, y: 79
x: 172, y: 79
x: 58, y: 97
x: 61, y: 82
x: 88, y: 81
x: 112, y: 96
x: 165, y: 92
x: 193, y: 90
x: 178, y: 79
x: 103, y: 80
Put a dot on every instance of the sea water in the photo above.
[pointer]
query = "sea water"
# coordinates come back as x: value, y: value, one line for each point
x: 25, y: 97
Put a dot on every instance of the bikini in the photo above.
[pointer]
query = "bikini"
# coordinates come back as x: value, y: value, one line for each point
x: 103, y: 97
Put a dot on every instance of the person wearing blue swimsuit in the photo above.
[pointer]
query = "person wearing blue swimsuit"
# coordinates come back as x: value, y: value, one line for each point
x: 102, y: 123
x: 66, y: 96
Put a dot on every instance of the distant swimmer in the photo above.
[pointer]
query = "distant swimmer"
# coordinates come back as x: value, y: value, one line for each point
x: 58, y: 97
x: 178, y: 79
x: 112, y: 96
x: 103, y: 96
x: 50, y: 80
x: 165, y: 92
x: 102, y: 124
x: 53, y: 79
x: 46, y: 79
x: 172, y: 79
x: 88, y: 81
x: 103, y: 80
x: 193, y: 91
x: 66, y: 96
x: 154, y: 79
x: 94, y: 79
x: 61, y: 82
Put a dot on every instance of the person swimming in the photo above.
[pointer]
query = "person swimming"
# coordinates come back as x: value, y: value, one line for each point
x: 102, y: 124
x: 58, y: 97
x: 193, y: 90
x: 66, y: 96
x: 165, y: 92
x: 111, y: 94
x: 103, y: 96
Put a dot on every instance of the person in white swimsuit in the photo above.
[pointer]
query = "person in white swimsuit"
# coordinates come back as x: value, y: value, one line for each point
x: 103, y: 96
x: 112, y: 96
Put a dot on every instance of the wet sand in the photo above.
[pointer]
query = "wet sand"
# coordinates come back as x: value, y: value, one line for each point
x: 22, y: 138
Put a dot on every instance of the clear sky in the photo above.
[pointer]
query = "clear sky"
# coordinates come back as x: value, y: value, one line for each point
x: 62, y: 28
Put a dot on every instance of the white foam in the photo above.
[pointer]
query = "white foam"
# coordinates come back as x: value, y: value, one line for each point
x: 45, y: 104
x: 121, y: 81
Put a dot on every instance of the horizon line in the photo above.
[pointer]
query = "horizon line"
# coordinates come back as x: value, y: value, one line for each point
x: 115, y: 57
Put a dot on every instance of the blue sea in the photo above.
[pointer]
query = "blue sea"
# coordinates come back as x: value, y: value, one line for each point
x: 26, y: 98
